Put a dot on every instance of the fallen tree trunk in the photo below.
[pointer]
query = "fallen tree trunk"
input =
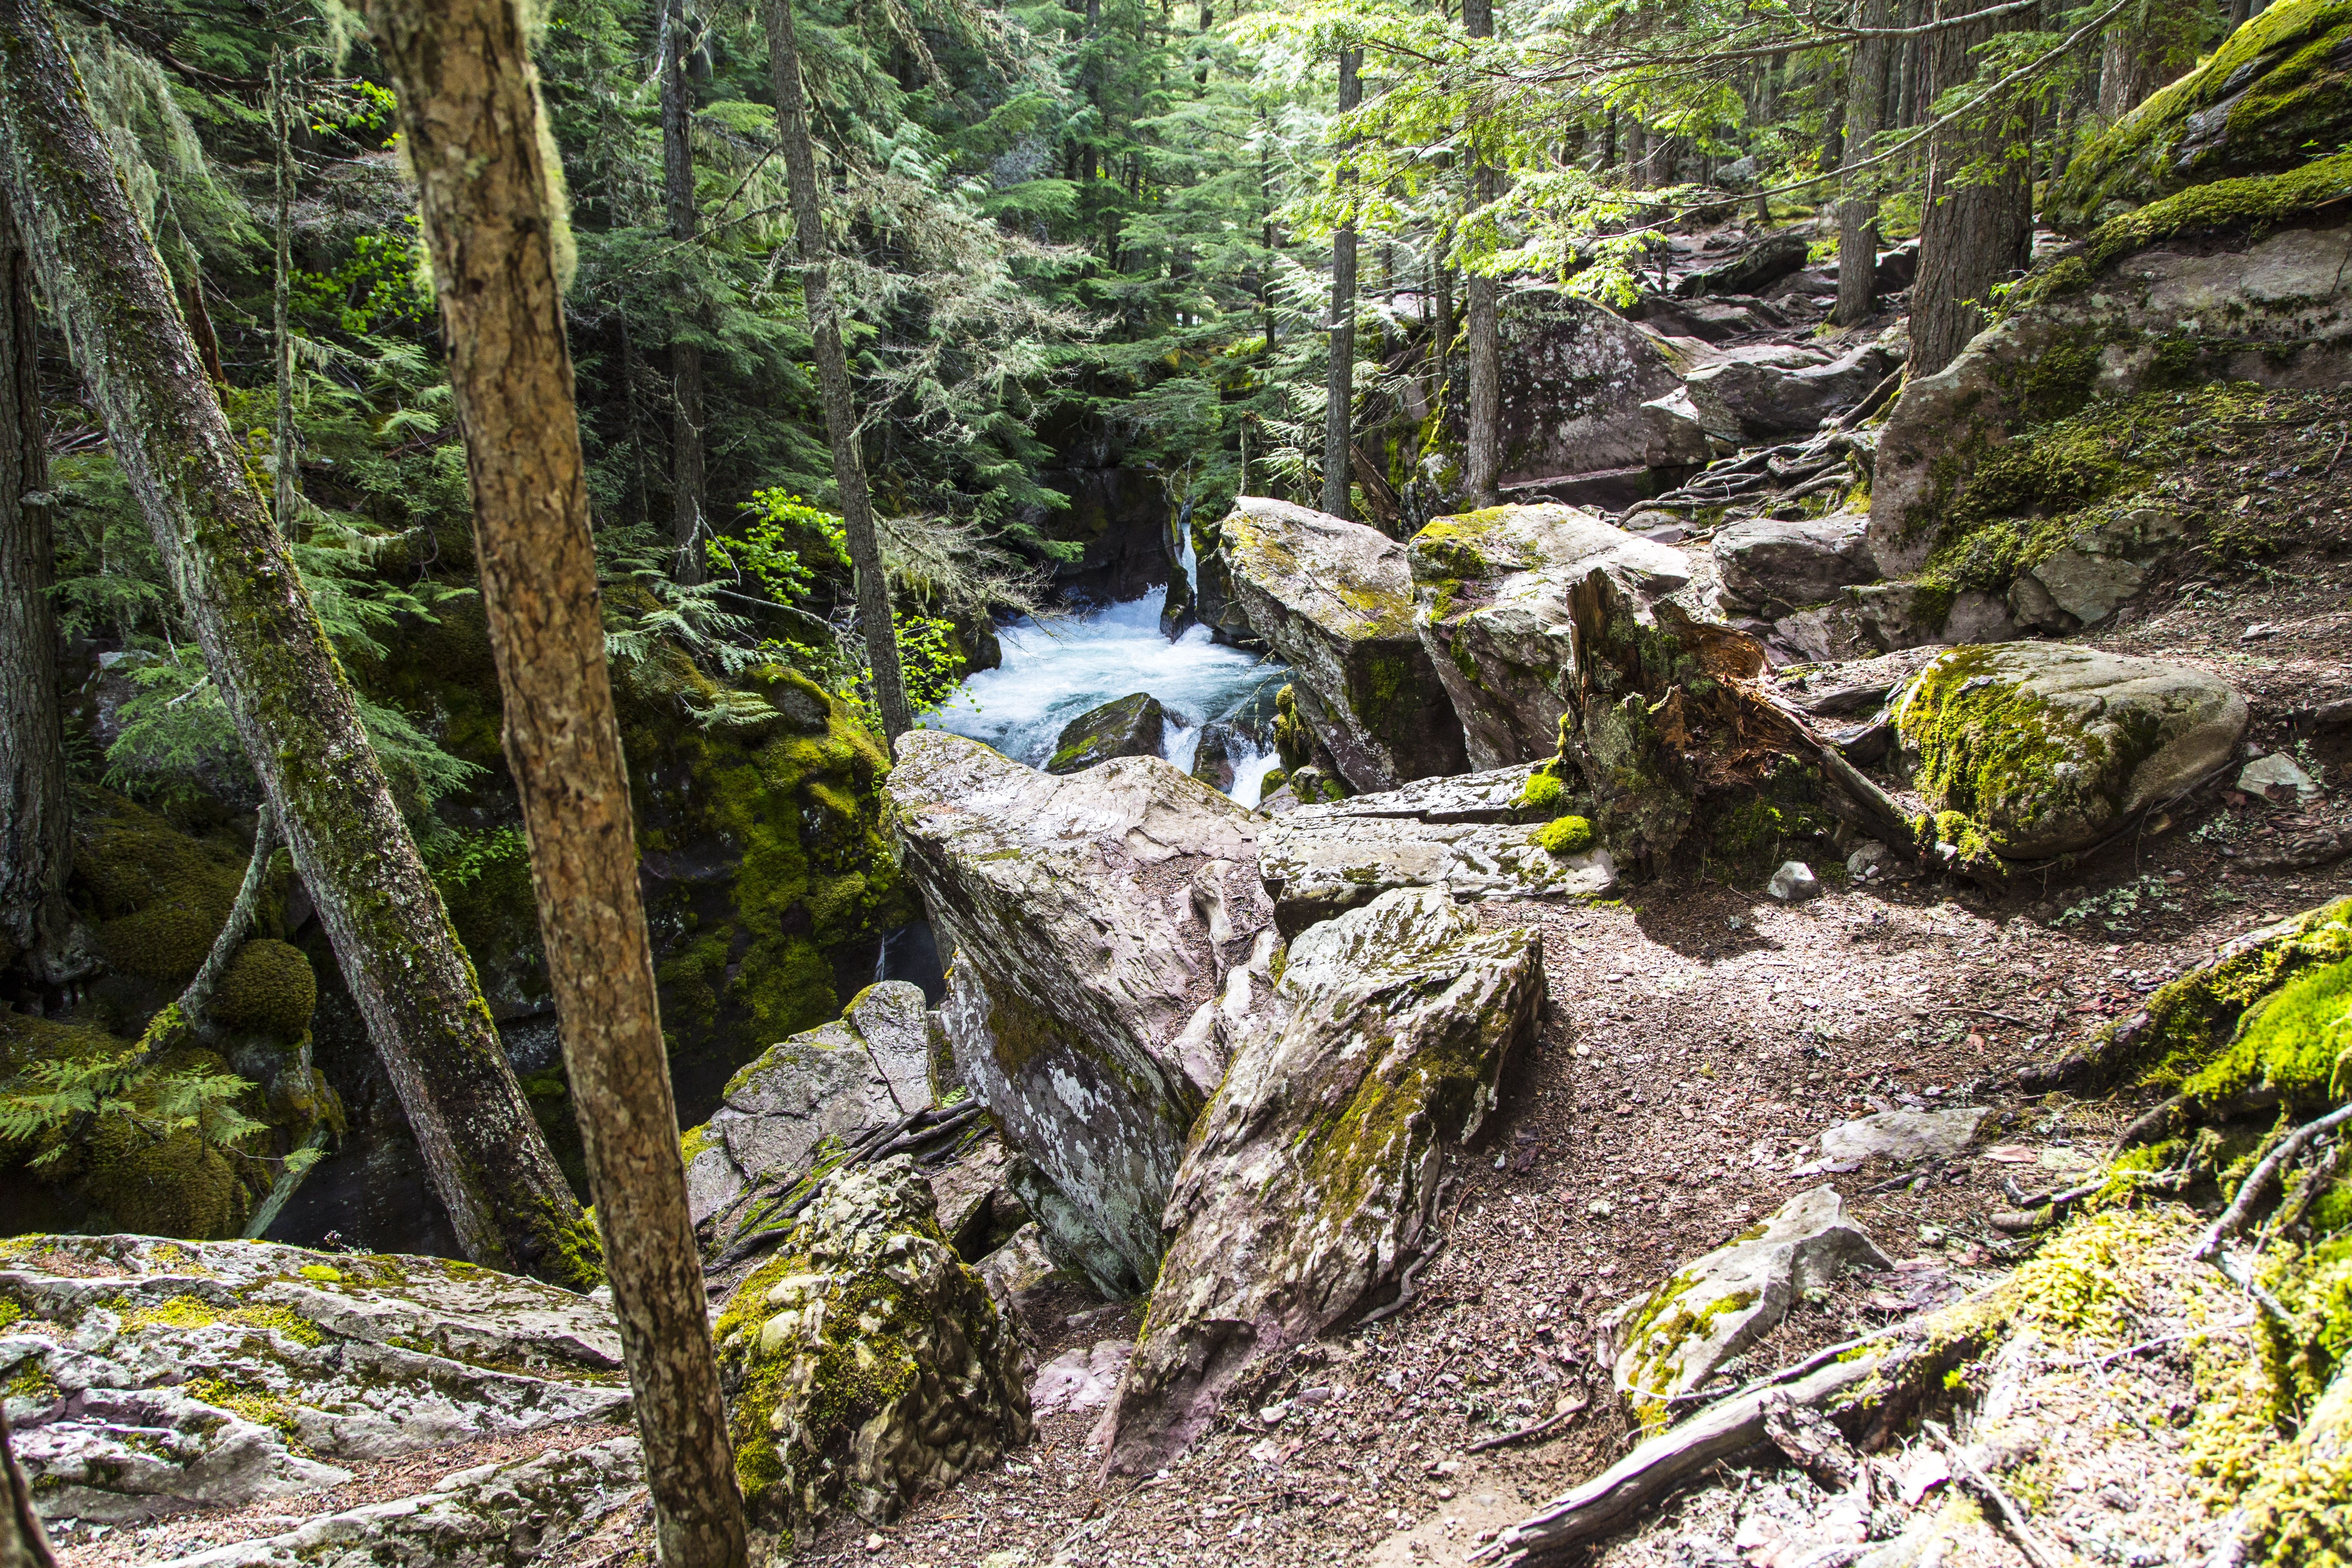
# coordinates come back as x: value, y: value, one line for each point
x: 284, y: 692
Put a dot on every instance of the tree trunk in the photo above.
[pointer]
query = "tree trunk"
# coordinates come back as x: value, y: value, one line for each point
x: 2144, y: 50
x: 281, y: 282
x: 1340, y: 402
x: 832, y: 372
x: 1977, y: 230
x: 273, y: 668
x: 23, y: 1543
x: 1483, y: 467
x: 685, y: 354
x: 38, y: 938
x: 470, y: 116
x: 1858, y: 212
x: 1441, y: 284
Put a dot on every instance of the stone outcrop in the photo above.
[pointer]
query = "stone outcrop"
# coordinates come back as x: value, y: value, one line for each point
x: 1492, y: 589
x: 1335, y: 600
x: 1472, y: 837
x: 1714, y: 1307
x: 1130, y: 726
x: 2171, y: 296
x: 1767, y: 391
x: 2277, y: 88
x: 1311, y: 1179
x: 865, y: 1364
x: 838, y: 1082
x: 143, y: 1375
x: 2043, y: 748
x: 1749, y: 271
x: 1093, y: 918
x: 1776, y: 564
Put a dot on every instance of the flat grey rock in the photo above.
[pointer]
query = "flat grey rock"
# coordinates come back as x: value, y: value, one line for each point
x: 1905, y: 1136
x: 1796, y: 562
x: 1711, y: 1309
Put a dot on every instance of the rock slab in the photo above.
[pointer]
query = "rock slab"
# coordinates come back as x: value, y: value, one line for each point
x: 1311, y: 1179
x: 866, y: 1070
x: 1711, y: 1309
x: 144, y: 1375
x: 1131, y: 726
x: 1492, y: 591
x: 1094, y: 918
x: 865, y: 1364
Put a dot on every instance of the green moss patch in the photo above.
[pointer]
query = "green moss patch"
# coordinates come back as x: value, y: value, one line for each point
x: 269, y: 989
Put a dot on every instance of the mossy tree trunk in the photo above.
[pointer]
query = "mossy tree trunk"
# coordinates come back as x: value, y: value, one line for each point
x: 284, y: 692
x: 1340, y: 402
x: 1865, y: 106
x: 469, y: 114
x: 832, y: 369
x: 1483, y: 462
x: 1978, y: 227
x: 685, y: 351
x: 40, y: 946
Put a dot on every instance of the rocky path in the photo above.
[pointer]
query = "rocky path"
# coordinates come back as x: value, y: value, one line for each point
x: 1701, y: 1040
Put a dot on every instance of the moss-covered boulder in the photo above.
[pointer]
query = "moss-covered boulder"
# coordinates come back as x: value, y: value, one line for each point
x: 2047, y: 749
x: 1714, y: 1306
x: 2278, y: 91
x: 143, y: 1376
x: 768, y: 871
x: 1310, y: 1181
x: 1091, y: 916
x: 1491, y: 595
x: 865, y: 1364
x: 1131, y: 726
x: 2035, y: 422
x: 802, y: 1099
x: 1335, y: 599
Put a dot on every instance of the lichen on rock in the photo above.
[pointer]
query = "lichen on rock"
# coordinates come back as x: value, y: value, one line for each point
x: 1310, y: 1180
x: 865, y: 1364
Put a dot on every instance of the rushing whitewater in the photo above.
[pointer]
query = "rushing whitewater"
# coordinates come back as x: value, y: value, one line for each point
x: 1056, y: 670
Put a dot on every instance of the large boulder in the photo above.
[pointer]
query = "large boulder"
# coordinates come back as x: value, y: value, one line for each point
x: 1492, y: 594
x: 2277, y: 88
x: 1311, y: 1180
x: 1476, y: 837
x: 1335, y: 599
x: 831, y: 1084
x: 1131, y: 726
x: 2236, y: 281
x: 1753, y: 269
x: 865, y: 1364
x: 1790, y: 562
x: 2047, y: 749
x: 143, y: 1376
x: 1771, y: 390
x: 1714, y: 1307
x: 1093, y: 918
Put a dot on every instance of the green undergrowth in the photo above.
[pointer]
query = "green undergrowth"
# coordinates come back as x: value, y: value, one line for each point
x: 2191, y: 1019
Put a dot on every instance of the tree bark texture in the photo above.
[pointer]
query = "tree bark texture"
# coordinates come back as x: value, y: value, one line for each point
x: 832, y: 370
x: 1483, y: 467
x: 284, y: 692
x: 684, y: 353
x: 1339, y: 402
x: 23, y: 1543
x: 2153, y: 43
x: 1865, y: 107
x: 281, y: 128
x: 469, y: 113
x: 38, y: 938
x: 1977, y: 230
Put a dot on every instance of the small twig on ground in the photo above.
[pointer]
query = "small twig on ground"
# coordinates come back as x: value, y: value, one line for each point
x: 2241, y: 1207
x: 2011, y: 1514
x: 1407, y: 1290
x: 1537, y: 1429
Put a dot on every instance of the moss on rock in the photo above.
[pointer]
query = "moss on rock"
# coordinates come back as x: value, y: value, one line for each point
x: 269, y: 989
x: 2277, y: 90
